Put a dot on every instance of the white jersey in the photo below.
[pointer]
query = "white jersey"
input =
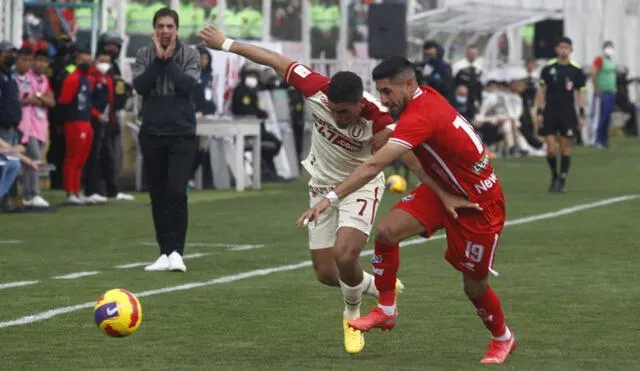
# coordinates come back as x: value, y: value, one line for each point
x: 335, y: 153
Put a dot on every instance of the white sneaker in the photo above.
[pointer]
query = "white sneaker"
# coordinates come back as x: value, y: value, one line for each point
x: 75, y: 200
x: 124, y: 197
x: 162, y: 264
x: 96, y: 199
x: 38, y: 201
x: 176, y: 263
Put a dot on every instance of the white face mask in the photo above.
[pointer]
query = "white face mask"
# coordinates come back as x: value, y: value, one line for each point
x: 609, y: 51
x: 251, y: 81
x: 103, y: 67
x: 32, y: 19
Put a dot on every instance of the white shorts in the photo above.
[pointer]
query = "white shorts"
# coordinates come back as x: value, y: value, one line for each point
x: 358, y: 210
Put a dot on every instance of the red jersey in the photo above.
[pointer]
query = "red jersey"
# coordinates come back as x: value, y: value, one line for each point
x: 447, y: 146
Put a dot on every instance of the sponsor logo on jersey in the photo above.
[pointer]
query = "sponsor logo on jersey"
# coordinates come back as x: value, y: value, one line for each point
x: 334, y: 136
x: 486, y: 184
x: 482, y: 164
x: 378, y: 271
x: 376, y: 259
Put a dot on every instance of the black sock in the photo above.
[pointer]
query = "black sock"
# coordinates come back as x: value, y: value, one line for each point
x: 553, y: 164
x: 565, y: 162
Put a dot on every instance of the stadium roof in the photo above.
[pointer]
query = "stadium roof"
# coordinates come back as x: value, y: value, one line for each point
x: 475, y: 17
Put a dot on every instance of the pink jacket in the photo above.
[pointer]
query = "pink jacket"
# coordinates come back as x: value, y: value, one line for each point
x: 34, y: 118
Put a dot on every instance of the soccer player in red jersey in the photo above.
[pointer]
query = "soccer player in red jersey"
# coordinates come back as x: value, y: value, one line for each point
x: 453, y: 155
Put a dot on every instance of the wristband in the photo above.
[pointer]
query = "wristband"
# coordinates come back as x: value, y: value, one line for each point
x: 332, y: 197
x: 226, y: 45
x: 581, y: 110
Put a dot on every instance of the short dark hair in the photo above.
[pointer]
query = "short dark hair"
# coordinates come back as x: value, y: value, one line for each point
x: 345, y: 87
x: 25, y: 51
x: 166, y: 12
x: 391, y: 67
x: 82, y: 50
x: 42, y: 54
x: 103, y: 52
x: 607, y: 43
x: 564, y: 40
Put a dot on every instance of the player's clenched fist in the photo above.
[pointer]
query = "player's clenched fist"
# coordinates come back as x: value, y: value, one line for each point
x: 212, y: 37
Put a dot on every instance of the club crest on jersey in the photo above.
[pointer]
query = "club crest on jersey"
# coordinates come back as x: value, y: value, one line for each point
x: 356, y: 131
x: 407, y: 198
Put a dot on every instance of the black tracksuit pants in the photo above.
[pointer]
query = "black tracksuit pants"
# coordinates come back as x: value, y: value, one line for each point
x: 167, y: 163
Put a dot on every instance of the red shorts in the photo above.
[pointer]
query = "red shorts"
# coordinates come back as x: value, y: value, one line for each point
x: 471, y: 239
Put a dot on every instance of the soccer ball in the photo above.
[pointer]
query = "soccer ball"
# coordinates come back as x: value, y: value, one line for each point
x: 396, y: 184
x: 117, y: 313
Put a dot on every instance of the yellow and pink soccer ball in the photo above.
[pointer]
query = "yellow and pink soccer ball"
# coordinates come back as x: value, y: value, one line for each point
x: 396, y: 184
x: 118, y: 313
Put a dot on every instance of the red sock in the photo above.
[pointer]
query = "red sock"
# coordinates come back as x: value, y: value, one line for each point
x: 385, y: 267
x: 490, y: 311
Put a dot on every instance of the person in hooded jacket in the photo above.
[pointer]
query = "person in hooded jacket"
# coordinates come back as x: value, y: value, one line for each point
x: 205, y: 105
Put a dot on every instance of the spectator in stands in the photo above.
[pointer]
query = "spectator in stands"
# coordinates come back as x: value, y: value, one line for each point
x: 436, y: 71
x: 10, y: 107
x: 102, y: 98
x: 63, y: 62
x: 245, y: 103
x: 468, y: 71
x: 287, y: 22
x: 75, y: 97
x: 603, y: 76
x: 205, y: 105
x: 525, y: 143
x: 36, y: 98
x: 624, y: 102
x: 531, y: 83
x: 491, y: 119
x: 325, y: 23
x: 111, y: 43
x: 461, y: 102
x: 10, y: 157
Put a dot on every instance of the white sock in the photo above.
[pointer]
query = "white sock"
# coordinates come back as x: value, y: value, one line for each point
x: 506, y: 336
x: 389, y: 310
x: 352, y: 299
x: 369, y: 285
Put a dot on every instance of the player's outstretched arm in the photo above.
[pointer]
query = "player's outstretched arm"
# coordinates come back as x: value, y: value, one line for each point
x: 359, y: 177
x: 215, y: 39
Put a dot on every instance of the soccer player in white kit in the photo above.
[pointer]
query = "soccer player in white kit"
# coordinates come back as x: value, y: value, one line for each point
x: 346, y: 120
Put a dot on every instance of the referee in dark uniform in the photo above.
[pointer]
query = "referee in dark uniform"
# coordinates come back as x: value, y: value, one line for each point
x: 165, y: 74
x: 561, y: 80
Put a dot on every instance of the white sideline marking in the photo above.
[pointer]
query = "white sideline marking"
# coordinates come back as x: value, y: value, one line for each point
x: 283, y: 268
x: 71, y: 276
x: 230, y: 246
x: 140, y: 264
x: 10, y: 242
x: 9, y: 285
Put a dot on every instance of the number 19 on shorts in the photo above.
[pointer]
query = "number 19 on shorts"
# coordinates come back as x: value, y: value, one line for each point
x: 474, y: 252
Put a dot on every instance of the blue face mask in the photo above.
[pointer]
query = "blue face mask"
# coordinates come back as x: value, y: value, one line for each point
x: 461, y: 99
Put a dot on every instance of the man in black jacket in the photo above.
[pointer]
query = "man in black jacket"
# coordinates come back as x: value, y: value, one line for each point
x: 10, y: 106
x: 165, y: 74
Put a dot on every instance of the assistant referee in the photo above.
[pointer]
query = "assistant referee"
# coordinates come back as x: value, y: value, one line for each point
x: 561, y: 80
x: 165, y: 75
